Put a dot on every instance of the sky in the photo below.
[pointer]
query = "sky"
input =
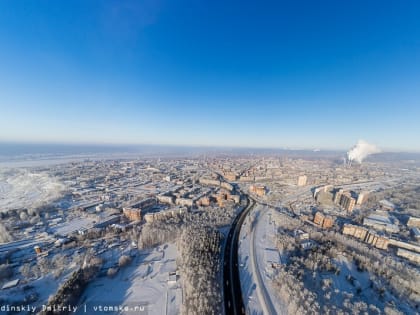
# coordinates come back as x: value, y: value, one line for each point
x: 282, y: 74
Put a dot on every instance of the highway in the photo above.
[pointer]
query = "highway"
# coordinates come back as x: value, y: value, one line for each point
x: 231, y: 282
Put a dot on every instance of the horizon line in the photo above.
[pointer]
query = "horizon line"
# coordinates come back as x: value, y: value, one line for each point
x: 132, y: 144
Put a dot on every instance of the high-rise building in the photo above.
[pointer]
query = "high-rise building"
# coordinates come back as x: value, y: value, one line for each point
x: 302, y: 180
x: 347, y: 201
x: 337, y: 196
x: 362, y: 197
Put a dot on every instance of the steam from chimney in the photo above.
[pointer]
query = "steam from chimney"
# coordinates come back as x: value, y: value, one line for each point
x: 361, y: 150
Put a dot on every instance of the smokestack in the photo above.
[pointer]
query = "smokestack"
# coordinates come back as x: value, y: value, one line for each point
x: 360, y: 151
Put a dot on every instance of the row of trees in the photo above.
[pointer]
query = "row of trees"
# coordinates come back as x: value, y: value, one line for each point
x: 305, y: 283
x: 199, y: 244
x: 399, y: 276
x: 55, y: 265
x: 199, y: 247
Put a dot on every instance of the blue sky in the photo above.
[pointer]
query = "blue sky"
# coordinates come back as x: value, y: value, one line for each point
x: 301, y: 74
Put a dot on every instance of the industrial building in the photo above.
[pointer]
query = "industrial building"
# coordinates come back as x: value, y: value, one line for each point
x: 386, y: 205
x: 381, y: 223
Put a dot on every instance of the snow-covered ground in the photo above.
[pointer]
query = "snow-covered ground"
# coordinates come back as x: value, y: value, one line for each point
x: 257, y: 252
x: 35, y: 294
x: 21, y: 188
x: 145, y: 282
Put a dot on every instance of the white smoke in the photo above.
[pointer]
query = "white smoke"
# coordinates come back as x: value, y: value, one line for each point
x: 361, y: 150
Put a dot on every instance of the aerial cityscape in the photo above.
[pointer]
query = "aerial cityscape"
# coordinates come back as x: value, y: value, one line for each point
x: 191, y: 157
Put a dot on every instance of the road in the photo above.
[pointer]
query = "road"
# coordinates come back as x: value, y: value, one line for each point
x: 262, y: 291
x: 263, y: 295
x: 231, y: 283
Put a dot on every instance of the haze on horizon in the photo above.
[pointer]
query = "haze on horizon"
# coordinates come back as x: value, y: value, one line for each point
x: 241, y: 74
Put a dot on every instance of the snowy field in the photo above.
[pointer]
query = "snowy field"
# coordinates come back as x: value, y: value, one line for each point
x: 145, y: 282
x: 21, y: 188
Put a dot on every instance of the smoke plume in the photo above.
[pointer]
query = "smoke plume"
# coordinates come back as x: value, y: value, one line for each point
x: 361, y: 150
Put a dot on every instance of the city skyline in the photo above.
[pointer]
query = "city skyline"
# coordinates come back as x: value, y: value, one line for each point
x: 301, y: 76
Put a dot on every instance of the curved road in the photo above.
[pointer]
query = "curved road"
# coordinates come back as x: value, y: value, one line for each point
x: 231, y: 283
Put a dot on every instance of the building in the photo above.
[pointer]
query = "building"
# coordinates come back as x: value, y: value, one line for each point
x: 246, y: 178
x: 209, y: 182
x: 405, y: 245
x: 386, y: 205
x: 382, y: 243
x: 166, y: 199
x: 356, y: 231
x: 416, y: 233
x: 323, y: 221
x: 259, y: 190
x: 108, y: 221
x: 231, y: 176
x: 301, y: 235
x: 203, y: 201
x: 362, y: 197
x: 366, y: 236
x: 145, y: 203
x: 337, y: 196
x: 226, y: 186
x: 319, y: 218
x: 412, y: 256
x: 163, y: 215
x: 133, y: 214
x: 184, y: 202
x: 346, y: 201
x: 302, y: 180
x: 413, y: 222
x: 381, y: 223
x: 328, y: 222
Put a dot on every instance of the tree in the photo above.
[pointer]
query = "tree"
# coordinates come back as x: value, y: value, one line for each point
x: 124, y: 261
x: 5, y: 272
x: 5, y: 236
